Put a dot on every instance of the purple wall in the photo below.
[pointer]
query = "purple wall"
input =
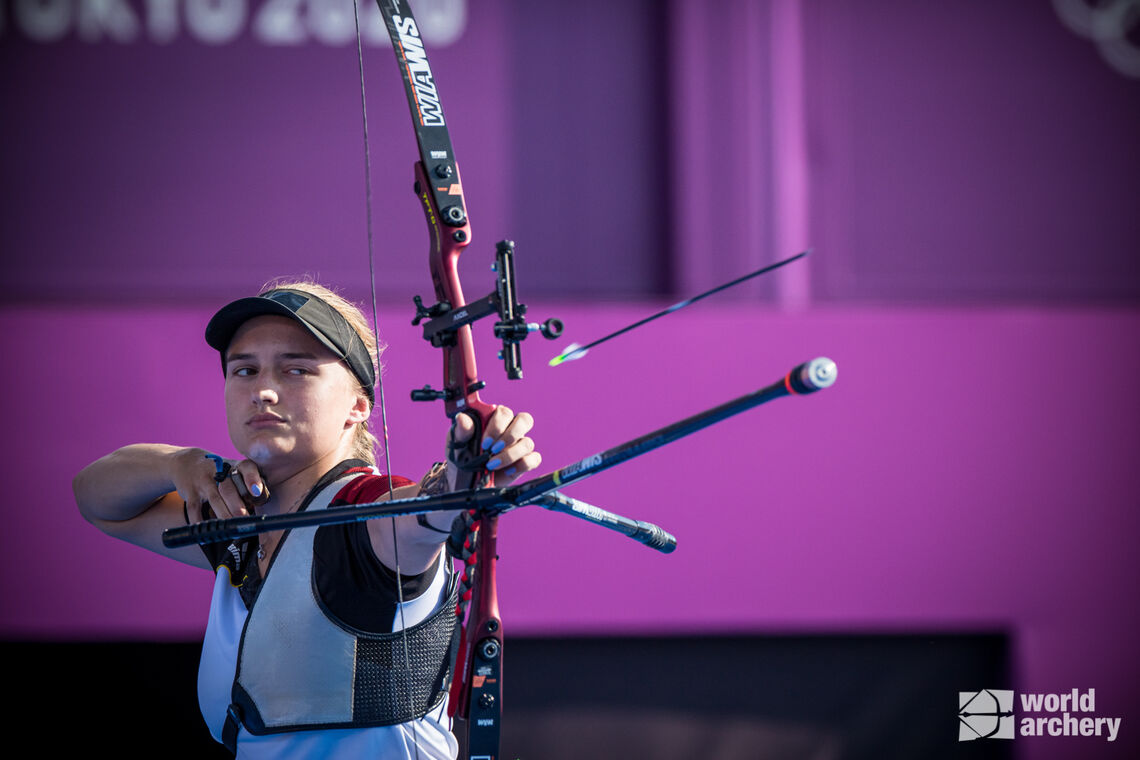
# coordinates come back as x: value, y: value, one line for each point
x: 972, y: 469
x: 177, y: 162
x: 968, y: 152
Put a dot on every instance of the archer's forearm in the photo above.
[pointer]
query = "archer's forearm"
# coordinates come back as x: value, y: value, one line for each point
x: 126, y: 482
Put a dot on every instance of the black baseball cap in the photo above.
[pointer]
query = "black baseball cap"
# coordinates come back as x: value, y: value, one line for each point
x: 323, y: 322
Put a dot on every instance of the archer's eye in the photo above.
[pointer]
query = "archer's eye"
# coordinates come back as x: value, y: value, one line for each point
x: 243, y: 372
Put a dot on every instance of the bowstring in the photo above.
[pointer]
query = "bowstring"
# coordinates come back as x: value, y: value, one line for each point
x: 379, y: 377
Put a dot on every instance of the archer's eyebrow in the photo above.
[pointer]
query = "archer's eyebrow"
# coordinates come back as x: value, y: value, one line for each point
x: 305, y: 355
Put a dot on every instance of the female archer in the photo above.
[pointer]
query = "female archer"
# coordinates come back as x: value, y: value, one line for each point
x: 321, y: 642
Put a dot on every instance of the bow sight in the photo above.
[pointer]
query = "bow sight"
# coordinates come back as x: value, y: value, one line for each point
x: 512, y: 327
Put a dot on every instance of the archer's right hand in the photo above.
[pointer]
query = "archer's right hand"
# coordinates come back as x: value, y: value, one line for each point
x: 221, y: 488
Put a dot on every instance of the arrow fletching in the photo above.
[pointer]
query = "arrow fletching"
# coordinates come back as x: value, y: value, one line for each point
x: 572, y: 352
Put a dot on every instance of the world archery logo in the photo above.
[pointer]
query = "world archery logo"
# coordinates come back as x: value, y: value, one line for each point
x: 985, y: 714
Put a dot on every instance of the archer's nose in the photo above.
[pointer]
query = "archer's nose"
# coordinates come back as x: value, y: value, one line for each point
x: 265, y: 397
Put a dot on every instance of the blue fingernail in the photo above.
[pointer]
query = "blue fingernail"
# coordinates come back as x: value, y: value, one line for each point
x: 487, y: 442
x: 498, y: 447
x: 494, y: 463
x: 511, y: 471
x: 255, y: 489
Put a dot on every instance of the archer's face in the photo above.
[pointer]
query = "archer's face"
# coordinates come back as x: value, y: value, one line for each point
x: 290, y: 403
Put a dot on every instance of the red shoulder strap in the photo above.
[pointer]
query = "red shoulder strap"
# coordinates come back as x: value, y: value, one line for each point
x: 368, y: 488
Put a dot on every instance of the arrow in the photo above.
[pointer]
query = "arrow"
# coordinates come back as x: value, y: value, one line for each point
x: 575, y: 351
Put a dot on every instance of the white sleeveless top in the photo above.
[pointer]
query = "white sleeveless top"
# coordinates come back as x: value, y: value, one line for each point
x: 427, y: 738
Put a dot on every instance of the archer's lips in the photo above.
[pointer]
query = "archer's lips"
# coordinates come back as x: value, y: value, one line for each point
x: 264, y: 420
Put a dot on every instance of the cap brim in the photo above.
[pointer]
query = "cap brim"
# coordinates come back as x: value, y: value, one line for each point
x: 222, y: 327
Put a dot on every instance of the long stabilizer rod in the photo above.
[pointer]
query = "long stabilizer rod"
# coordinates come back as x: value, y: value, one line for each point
x: 808, y: 377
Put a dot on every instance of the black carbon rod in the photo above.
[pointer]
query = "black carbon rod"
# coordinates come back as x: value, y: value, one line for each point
x: 806, y: 378
x: 214, y: 531
x: 646, y: 532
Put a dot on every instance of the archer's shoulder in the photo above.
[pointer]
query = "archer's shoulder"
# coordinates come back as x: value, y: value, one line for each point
x: 369, y: 486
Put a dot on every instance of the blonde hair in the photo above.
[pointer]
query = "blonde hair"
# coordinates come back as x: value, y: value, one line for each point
x: 364, y: 443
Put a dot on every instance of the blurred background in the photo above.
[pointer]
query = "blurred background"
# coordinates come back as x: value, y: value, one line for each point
x: 954, y: 514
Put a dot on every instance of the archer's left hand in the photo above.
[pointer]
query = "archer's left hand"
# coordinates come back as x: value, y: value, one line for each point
x: 505, y: 441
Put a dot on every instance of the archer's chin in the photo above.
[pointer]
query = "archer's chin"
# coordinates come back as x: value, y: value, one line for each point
x: 260, y: 453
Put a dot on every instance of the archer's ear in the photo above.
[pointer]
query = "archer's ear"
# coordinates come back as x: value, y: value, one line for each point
x: 360, y: 411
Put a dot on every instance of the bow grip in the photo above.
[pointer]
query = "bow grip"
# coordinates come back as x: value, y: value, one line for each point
x: 469, y: 457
